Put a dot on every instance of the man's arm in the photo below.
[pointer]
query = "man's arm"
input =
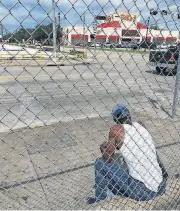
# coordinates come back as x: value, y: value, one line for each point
x: 116, y: 135
x: 107, y: 150
x: 116, y: 138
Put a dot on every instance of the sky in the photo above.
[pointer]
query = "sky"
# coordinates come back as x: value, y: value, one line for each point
x: 29, y: 13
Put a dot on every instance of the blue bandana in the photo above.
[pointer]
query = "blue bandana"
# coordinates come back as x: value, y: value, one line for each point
x: 120, y: 111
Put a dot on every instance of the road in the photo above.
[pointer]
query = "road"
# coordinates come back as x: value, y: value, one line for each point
x: 36, y: 96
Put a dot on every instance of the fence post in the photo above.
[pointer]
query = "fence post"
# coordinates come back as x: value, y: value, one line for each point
x: 54, y: 27
x: 176, y: 91
x: 95, y: 32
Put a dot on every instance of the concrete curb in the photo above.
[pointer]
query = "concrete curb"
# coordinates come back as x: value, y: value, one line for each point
x: 9, y: 55
x: 5, y: 57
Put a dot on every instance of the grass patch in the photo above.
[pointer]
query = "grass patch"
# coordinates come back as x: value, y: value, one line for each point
x: 113, y: 50
x: 126, y: 50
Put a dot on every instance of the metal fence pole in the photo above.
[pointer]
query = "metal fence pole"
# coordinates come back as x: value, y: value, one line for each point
x: 176, y: 91
x: 2, y: 31
x: 54, y: 27
x: 147, y: 31
x: 84, y: 30
x: 95, y: 32
x: 60, y: 31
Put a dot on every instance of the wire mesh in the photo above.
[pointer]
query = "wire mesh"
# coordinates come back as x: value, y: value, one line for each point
x: 64, y: 66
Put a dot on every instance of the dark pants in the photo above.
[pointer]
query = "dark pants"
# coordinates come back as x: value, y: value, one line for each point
x: 115, y: 178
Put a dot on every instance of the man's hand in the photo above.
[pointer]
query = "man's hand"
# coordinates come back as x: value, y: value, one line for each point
x: 107, y: 150
x: 116, y: 135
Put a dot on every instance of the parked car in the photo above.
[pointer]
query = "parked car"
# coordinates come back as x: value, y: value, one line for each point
x: 133, y: 46
x: 96, y: 45
x: 165, y: 60
x: 166, y: 46
x: 147, y: 45
x: 108, y: 45
x: 118, y: 45
x: 77, y: 44
x: 83, y: 44
x: 162, y: 46
x: 124, y: 44
x: 89, y: 43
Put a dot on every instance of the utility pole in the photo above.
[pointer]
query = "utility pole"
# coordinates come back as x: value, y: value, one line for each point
x: 84, y: 20
x: 177, y: 83
x: 59, y: 23
x: 2, y: 34
x: 54, y: 28
x: 95, y: 32
x: 148, y: 20
x: 177, y: 86
x: 95, y: 24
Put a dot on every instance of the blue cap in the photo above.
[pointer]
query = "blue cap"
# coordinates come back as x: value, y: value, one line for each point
x: 120, y: 111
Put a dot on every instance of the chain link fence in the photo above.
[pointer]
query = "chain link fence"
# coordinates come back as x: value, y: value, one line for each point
x: 65, y: 66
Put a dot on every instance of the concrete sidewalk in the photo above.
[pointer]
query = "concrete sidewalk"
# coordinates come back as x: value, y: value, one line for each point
x: 43, y: 60
x: 168, y: 201
x: 51, y: 167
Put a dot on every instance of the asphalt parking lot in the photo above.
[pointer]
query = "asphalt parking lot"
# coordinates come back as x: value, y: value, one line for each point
x: 54, y: 118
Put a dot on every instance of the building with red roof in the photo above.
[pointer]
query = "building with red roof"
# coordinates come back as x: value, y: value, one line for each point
x: 118, y: 27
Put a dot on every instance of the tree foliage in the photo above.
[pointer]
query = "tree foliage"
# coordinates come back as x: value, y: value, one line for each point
x: 39, y: 33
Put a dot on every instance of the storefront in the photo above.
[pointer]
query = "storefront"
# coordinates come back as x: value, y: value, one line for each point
x: 114, y: 39
x: 78, y: 39
x: 170, y: 40
x: 158, y: 40
x: 101, y: 38
x: 121, y: 27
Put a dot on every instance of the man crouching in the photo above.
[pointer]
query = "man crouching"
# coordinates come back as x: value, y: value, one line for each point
x: 144, y: 176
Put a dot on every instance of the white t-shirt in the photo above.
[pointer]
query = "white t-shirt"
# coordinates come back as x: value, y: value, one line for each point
x: 139, y: 153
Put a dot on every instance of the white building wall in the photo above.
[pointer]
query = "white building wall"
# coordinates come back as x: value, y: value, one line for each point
x: 118, y: 32
x: 158, y: 33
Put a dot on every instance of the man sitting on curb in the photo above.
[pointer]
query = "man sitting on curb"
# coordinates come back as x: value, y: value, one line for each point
x: 144, y: 178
